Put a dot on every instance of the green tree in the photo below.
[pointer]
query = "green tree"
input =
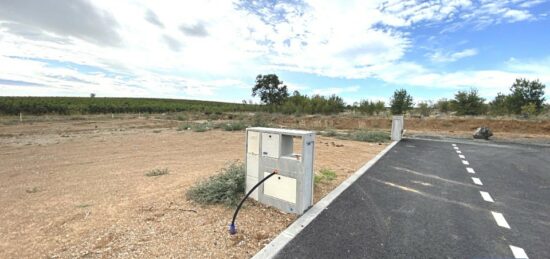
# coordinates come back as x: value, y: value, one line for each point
x: 500, y: 105
x: 270, y: 89
x: 401, y: 102
x: 468, y: 103
x: 443, y: 105
x: 529, y: 109
x: 424, y: 109
x: 379, y: 107
x: 525, y: 92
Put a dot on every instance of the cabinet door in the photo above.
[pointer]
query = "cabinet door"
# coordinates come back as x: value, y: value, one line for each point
x: 253, y: 146
x: 270, y: 145
x: 280, y: 187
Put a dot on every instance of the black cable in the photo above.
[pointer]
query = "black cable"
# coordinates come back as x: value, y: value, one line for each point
x: 232, y: 228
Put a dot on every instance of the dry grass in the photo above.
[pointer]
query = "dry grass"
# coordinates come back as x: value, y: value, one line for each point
x: 93, y: 199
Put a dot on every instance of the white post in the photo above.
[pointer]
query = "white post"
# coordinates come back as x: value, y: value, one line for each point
x: 397, y: 126
x: 112, y: 115
x: 20, y: 117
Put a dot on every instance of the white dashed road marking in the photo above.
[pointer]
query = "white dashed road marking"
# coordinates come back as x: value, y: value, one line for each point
x: 477, y: 181
x: 462, y: 156
x: 465, y: 162
x: 454, y: 145
x: 518, y: 252
x: 459, y: 152
x: 470, y: 170
x: 455, y: 148
x: 501, y: 221
x: 486, y: 196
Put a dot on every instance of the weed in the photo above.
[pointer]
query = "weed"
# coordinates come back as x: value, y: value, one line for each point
x: 226, y: 187
x: 201, y: 127
x: 185, y: 126
x: 329, y: 133
x: 325, y: 175
x: 182, y: 117
x: 83, y: 205
x: 157, y: 131
x: 32, y: 190
x: 157, y: 172
x: 235, y: 126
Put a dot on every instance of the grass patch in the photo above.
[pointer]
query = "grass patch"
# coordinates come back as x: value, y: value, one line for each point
x: 157, y: 172
x: 325, y: 175
x: 82, y: 206
x: 234, y: 126
x: 157, y: 131
x: 226, y: 187
x: 369, y: 136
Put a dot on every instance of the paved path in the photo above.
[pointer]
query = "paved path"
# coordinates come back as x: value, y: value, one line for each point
x: 433, y: 199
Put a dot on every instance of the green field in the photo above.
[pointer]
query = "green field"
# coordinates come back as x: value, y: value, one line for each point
x: 87, y: 105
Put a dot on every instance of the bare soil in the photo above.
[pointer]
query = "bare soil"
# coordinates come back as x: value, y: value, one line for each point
x: 78, y: 189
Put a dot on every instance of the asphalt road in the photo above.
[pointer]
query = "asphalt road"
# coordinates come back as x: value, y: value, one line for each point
x: 419, y: 201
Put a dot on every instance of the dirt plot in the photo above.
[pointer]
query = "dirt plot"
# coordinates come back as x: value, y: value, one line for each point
x: 78, y: 189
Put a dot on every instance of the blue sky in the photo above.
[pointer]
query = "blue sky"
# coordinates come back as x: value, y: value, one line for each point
x: 213, y: 50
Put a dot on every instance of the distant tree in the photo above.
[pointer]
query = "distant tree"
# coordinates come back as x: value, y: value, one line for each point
x: 366, y: 107
x: 92, y: 95
x: 270, y: 89
x: 500, y: 105
x: 468, y: 103
x: 529, y: 109
x: 424, y: 109
x: 401, y: 102
x: 443, y: 105
x: 379, y: 107
x: 525, y: 92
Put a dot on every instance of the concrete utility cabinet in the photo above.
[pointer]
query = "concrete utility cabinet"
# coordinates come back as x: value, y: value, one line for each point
x: 288, y: 151
x: 397, y: 126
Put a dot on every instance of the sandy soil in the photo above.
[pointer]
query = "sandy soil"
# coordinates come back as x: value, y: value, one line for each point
x: 78, y: 189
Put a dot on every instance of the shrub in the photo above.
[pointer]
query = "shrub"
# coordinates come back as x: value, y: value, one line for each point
x: 329, y: 133
x: 157, y: 172
x: 234, y: 126
x: 226, y: 187
x: 370, y: 136
x: 182, y: 117
x: 200, y: 127
x: 185, y: 126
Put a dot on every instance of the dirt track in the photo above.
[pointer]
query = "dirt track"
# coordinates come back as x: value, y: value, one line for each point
x: 77, y: 188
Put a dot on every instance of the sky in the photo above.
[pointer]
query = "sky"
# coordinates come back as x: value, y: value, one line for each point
x: 213, y: 50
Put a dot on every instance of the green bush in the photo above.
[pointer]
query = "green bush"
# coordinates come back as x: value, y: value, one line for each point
x: 157, y: 172
x: 370, y: 136
x: 185, y: 126
x: 226, y: 187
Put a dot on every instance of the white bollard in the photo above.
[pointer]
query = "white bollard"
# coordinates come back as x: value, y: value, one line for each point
x: 397, y: 126
x: 20, y: 117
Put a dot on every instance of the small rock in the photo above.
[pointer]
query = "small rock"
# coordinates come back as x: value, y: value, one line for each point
x: 483, y: 133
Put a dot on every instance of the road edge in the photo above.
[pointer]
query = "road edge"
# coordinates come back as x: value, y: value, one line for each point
x: 273, y: 248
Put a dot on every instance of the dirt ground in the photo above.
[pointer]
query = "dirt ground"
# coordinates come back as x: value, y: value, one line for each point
x: 78, y: 189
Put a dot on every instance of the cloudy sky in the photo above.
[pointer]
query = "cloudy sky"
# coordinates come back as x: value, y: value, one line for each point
x: 213, y: 50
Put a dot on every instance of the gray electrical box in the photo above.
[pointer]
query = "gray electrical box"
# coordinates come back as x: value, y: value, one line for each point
x: 290, y: 153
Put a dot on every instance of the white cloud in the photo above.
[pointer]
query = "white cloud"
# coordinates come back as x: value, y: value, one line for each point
x: 440, y: 56
x: 335, y: 90
x: 194, y: 49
